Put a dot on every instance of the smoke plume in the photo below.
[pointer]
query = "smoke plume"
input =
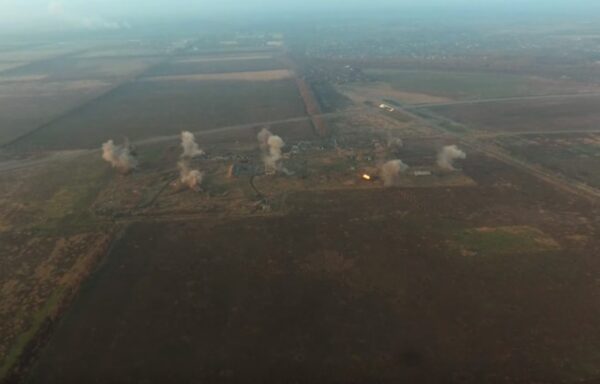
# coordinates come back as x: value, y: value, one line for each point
x: 390, y: 172
x: 119, y: 156
x: 190, y: 177
x: 189, y: 145
x: 263, y: 138
x: 271, y: 146
x: 448, y: 155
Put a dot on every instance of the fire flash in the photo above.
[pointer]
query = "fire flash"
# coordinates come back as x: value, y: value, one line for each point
x: 366, y: 177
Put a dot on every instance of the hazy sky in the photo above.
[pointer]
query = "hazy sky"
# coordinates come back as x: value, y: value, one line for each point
x: 107, y: 14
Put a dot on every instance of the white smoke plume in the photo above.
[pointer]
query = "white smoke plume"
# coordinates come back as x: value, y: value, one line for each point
x: 391, y: 171
x: 190, y: 177
x: 271, y: 146
x: 273, y: 158
x: 189, y: 145
x: 119, y: 156
x: 263, y: 138
x: 448, y: 155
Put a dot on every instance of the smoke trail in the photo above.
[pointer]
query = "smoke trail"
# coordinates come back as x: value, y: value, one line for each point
x: 448, y: 155
x: 119, y: 156
x: 391, y: 171
x: 190, y: 177
x: 189, y: 145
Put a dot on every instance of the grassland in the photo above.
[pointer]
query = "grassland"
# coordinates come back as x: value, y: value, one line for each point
x: 49, y: 242
x: 54, y: 197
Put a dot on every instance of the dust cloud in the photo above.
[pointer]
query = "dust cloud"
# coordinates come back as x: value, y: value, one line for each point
x: 448, y: 155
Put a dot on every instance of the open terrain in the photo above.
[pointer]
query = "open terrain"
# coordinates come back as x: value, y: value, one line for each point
x: 573, y: 156
x: 27, y: 105
x: 459, y: 85
x: 322, y: 268
x: 194, y: 65
x: 147, y: 108
x: 325, y: 288
x: 567, y: 114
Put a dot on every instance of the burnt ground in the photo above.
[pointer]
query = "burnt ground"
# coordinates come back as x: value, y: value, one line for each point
x: 348, y: 286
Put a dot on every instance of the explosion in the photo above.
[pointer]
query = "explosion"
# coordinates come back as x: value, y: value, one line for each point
x: 189, y: 145
x: 271, y: 146
x: 190, y: 177
x: 390, y: 172
x: 447, y: 155
x: 119, y: 156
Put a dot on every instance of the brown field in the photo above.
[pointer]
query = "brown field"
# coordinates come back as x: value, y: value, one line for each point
x: 353, y: 126
x: 209, y: 65
x: 74, y: 68
x: 222, y: 58
x: 292, y: 132
x: 280, y: 74
x: 548, y: 115
x: 576, y: 157
x: 378, y: 92
x: 24, y: 106
x: 467, y: 85
x: 146, y: 109
x: 331, y: 294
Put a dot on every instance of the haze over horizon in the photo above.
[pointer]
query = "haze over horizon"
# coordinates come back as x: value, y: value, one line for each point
x: 65, y: 15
